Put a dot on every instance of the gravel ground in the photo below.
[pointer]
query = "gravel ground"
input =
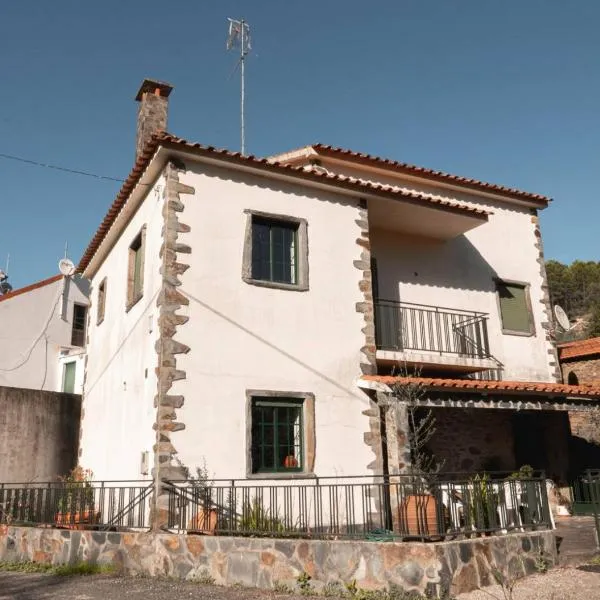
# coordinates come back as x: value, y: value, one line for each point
x: 34, y: 586
x: 580, y: 583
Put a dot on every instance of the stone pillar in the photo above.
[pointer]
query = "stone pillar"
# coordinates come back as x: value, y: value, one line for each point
x: 169, y: 302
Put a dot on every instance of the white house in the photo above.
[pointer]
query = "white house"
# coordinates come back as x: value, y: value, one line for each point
x: 42, y: 335
x: 250, y: 315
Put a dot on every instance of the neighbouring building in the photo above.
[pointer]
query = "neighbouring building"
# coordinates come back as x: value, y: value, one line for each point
x: 42, y: 337
x: 580, y: 364
x: 253, y: 315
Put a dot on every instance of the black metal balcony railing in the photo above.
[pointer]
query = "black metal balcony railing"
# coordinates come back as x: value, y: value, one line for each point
x: 404, y: 326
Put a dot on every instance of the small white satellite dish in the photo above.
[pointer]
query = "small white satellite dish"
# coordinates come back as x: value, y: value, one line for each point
x: 66, y: 267
x: 561, y: 317
x: 3, y: 275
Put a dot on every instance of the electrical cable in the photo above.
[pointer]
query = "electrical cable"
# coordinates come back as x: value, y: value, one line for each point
x: 57, y: 168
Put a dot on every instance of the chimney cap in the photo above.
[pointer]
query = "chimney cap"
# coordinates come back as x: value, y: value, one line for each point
x: 160, y: 88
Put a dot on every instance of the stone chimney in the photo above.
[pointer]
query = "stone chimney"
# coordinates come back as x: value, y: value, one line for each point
x: 152, y: 112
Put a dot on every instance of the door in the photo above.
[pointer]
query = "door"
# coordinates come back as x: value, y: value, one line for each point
x: 68, y: 386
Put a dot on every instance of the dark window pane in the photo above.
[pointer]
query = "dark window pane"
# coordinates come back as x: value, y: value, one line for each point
x: 274, y: 253
x: 78, y: 328
x: 276, y: 435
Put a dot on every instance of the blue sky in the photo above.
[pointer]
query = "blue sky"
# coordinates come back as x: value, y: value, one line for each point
x: 504, y: 91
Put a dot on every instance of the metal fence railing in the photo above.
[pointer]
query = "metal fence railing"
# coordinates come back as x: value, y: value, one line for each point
x: 590, y: 483
x: 395, y: 507
x: 337, y: 508
x: 80, y: 505
x: 405, y: 326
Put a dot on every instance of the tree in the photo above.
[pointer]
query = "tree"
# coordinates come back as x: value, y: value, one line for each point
x: 593, y: 329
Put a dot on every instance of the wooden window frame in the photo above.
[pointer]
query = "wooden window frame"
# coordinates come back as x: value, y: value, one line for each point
x: 301, y: 251
x: 526, y: 290
x: 306, y: 402
x: 101, y: 302
x: 83, y: 330
x: 137, y: 247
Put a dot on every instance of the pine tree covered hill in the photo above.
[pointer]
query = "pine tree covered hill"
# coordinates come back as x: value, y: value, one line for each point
x: 576, y: 287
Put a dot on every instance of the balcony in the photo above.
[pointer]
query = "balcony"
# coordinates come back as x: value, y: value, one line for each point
x: 432, y: 337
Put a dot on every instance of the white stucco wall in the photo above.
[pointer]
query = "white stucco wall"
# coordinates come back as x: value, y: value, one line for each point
x: 460, y: 273
x: 245, y: 337
x: 120, y: 381
x: 35, y: 327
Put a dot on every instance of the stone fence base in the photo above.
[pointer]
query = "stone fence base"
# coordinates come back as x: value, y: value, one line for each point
x: 435, y: 568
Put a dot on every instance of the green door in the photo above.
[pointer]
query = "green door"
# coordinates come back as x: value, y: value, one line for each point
x: 69, y: 378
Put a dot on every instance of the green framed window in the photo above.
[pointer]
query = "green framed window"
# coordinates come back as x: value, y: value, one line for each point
x: 274, y: 250
x: 69, y: 370
x: 277, y: 435
x: 514, y: 307
x: 135, y: 271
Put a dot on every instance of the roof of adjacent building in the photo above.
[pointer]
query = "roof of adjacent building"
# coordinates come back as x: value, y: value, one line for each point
x: 432, y: 174
x: 349, y: 183
x: 579, y: 349
x: 30, y: 288
x: 492, y: 387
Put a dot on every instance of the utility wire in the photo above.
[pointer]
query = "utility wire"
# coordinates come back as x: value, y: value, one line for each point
x: 57, y: 168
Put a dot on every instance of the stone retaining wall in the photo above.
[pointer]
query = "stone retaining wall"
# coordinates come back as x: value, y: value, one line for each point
x: 457, y: 566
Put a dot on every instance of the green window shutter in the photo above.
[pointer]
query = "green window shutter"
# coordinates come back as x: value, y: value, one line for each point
x: 137, y: 272
x: 68, y: 386
x: 514, y: 309
x: 277, y: 435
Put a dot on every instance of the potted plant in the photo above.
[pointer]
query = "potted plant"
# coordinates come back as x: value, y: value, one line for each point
x: 198, y: 495
x: 75, y: 500
x: 417, y: 511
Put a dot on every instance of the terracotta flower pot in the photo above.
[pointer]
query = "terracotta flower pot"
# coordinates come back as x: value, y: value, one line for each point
x: 204, y: 522
x: 76, y: 520
x: 290, y: 462
x: 417, y: 516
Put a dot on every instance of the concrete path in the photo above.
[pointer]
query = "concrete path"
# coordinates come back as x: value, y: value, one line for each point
x: 576, y: 538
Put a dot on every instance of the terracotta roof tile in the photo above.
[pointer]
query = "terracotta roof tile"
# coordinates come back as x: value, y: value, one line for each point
x: 495, y: 387
x: 30, y: 288
x: 579, y: 348
x: 169, y: 140
x: 433, y: 174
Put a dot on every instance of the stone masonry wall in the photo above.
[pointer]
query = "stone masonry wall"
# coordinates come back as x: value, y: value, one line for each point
x: 434, y: 568
x: 583, y: 424
x: 472, y: 439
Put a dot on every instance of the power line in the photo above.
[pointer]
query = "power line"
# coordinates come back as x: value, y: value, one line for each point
x: 57, y: 168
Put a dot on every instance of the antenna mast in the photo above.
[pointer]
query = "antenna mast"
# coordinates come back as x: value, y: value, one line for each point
x: 239, y: 35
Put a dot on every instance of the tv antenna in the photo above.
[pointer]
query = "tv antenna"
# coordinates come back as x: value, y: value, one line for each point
x: 239, y: 37
x: 561, y: 317
x: 5, y: 287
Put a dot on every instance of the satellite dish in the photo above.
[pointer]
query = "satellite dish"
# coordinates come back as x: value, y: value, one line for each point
x: 561, y: 317
x: 66, y: 267
x: 5, y: 287
x: 3, y: 275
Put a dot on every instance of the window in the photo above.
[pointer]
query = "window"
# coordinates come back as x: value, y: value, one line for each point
x: 78, y: 329
x: 135, y: 271
x: 514, y: 307
x: 276, y: 251
x: 572, y: 378
x: 69, y: 369
x: 277, y: 435
x: 101, y: 301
